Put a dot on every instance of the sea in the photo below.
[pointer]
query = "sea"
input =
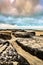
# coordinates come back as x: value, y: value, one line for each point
x: 22, y: 22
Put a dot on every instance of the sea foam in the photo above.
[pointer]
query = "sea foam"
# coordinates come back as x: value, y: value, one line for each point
x: 8, y: 26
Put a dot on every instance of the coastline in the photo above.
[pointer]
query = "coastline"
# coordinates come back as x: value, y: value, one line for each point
x: 32, y: 60
x: 8, y: 26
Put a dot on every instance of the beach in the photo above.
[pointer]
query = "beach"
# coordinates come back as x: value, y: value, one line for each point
x: 21, y: 32
x: 26, y: 51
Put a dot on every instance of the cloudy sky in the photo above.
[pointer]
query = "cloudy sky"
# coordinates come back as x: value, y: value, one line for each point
x: 21, y: 7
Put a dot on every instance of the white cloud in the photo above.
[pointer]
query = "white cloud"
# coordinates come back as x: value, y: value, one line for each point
x: 11, y: 1
x: 20, y: 7
x: 38, y: 8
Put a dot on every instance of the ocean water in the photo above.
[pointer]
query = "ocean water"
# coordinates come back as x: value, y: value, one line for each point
x: 20, y: 22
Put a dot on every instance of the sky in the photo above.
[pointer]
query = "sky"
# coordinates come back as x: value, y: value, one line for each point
x: 21, y: 7
x: 41, y: 2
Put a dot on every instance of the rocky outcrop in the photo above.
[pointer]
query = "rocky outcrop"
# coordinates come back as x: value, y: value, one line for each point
x: 32, y: 45
x: 24, y: 34
x: 9, y: 55
x: 18, y: 30
x: 5, y: 36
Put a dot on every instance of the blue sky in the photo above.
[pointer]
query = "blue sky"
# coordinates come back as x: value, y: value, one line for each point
x: 41, y: 2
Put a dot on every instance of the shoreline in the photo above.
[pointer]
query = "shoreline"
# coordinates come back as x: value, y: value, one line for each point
x: 12, y: 35
x: 10, y: 26
x: 21, y: 29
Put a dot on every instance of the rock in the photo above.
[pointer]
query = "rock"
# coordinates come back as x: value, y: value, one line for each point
x: 34, y: 46
x: 33, y: 33
x: 10, y: 55
x: 5, y: 36
x: 4, y: 46
x: 18, y: 30
x: 24, y: 34
x: 1, y: 41
x: 41, y: 35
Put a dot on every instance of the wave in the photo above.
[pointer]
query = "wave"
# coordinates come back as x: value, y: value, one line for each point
x: 8, y: 26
